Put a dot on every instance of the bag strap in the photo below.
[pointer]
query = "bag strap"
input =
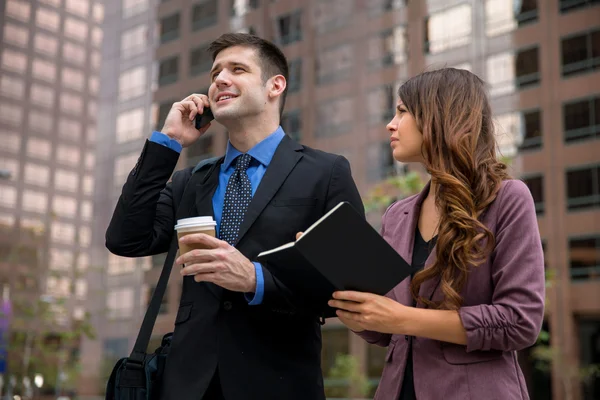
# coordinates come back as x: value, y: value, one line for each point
x: 138, y: 353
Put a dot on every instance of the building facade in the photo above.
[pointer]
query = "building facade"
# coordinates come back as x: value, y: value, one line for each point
x: 118, y: 296
x: 49, y: 67
x: 347, y: 58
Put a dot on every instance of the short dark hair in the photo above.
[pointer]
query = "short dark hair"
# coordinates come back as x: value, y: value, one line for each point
x: 271, y: 59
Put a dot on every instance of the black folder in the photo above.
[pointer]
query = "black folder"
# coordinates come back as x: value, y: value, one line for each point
x: 341, y: 251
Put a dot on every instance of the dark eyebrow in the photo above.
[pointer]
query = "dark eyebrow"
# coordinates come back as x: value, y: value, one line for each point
x: 233, y: 63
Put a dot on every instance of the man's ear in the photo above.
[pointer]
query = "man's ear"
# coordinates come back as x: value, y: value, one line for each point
x: 277, y: 85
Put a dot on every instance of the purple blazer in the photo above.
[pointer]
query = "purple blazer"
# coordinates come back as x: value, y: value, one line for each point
x: 502, y: 311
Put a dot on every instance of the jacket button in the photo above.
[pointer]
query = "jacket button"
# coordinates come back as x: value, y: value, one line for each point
x: 227, y: 305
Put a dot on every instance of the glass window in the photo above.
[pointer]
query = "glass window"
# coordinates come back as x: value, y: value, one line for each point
x: 35, y: 201
x: 55, y: 3
x: 16, y: 35
x: 45, y: 44
x: 200, y: 150
x: 387, y: 48
x: 11, y: 141
x: 580, y: 53
x: 334, y: 64
x: 204, y: 14
x: 584, y: 255
x: 76, y: 29
x: 88, y: 185
x: 290, y: 28
x: 74, y: 53
x: 536, y: 187
x: 93, y: 84
x: 71, y: 103
x: 58, y: 286
x: 42, y: 95
x: 381, y: 104
x: 44, y: 70
x: 123, y: 166
x: 39, y: 148
x: 168, y: 71
x: 72, y: 78
x: 12, y: 87
x: 200, y: 61
x: 120, y: 265
x: 83, y: 261
x: 503, y: 16
x: 8, y: 196
x: 66, y: 180
x: 532, y: 130
x: 163, y: 111
x: 134, y: 7
x: 581, y: 119
x: 10, y: 165
x: 14, y: 61
x: 169, y: 28
x: 69, y: 129
x: 334, y: 117
x: 132, y: 83
x: 130, y: 125
x: 60, y: 259
x: 239, y: 8
x: 120, y: 303
x: 78, y: 7
x: 448, y: 29
x: 134, y: 41
x: 6, y: 219
x: 69, y: 155
x: 47, y: 19
x: 97, y: 36
x: 376, y: 7
x: 62, y: 232
x: 527, y: 67
x: 583, y: 188
x: 86, y: 210
x: 64, y: 206
x: 90, y: 160
x: 85, y: 236
x: 330, y: 15
x: 18, y: 9
x: 291, y: 123
x: 508, y: 133
x: 80, y: 288
x: 37, y: 174
x: 11, y: 114
x: 570, y: 5
x: 380, y: 162
x: 501, y: 73
x: 295, y: 73
x: 98, y: 12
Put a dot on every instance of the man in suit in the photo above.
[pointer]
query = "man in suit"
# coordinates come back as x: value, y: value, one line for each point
x: 239, y: 332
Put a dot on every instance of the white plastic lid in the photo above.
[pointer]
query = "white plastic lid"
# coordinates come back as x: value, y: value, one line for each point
x: 194, y: 222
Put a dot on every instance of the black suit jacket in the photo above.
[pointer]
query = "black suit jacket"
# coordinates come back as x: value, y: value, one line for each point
x: 269, y: 351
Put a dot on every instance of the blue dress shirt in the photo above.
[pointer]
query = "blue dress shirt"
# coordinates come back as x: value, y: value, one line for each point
x: 261, y: 153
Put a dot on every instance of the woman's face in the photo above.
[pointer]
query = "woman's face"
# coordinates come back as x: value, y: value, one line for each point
x: 406, y: 140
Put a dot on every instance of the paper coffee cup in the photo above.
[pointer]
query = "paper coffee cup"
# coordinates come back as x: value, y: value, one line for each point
x: 186, y: 226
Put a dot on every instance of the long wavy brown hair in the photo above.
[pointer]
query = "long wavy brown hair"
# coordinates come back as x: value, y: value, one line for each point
x: 452, y: 111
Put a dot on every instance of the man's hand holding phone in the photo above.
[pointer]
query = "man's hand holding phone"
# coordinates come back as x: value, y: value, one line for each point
x: 181, y: 123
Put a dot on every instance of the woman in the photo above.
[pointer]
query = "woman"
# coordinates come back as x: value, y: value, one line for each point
x: 476, y: 295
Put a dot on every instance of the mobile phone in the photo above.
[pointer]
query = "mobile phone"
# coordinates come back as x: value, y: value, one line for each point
x: 203, y: 119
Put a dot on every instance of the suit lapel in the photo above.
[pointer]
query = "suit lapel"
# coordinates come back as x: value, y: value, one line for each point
x: 285, y: 158
x: 205, y: 190
x: 406, y: 226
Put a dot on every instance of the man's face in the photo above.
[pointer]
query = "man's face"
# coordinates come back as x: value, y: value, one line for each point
x: 237, y: 89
